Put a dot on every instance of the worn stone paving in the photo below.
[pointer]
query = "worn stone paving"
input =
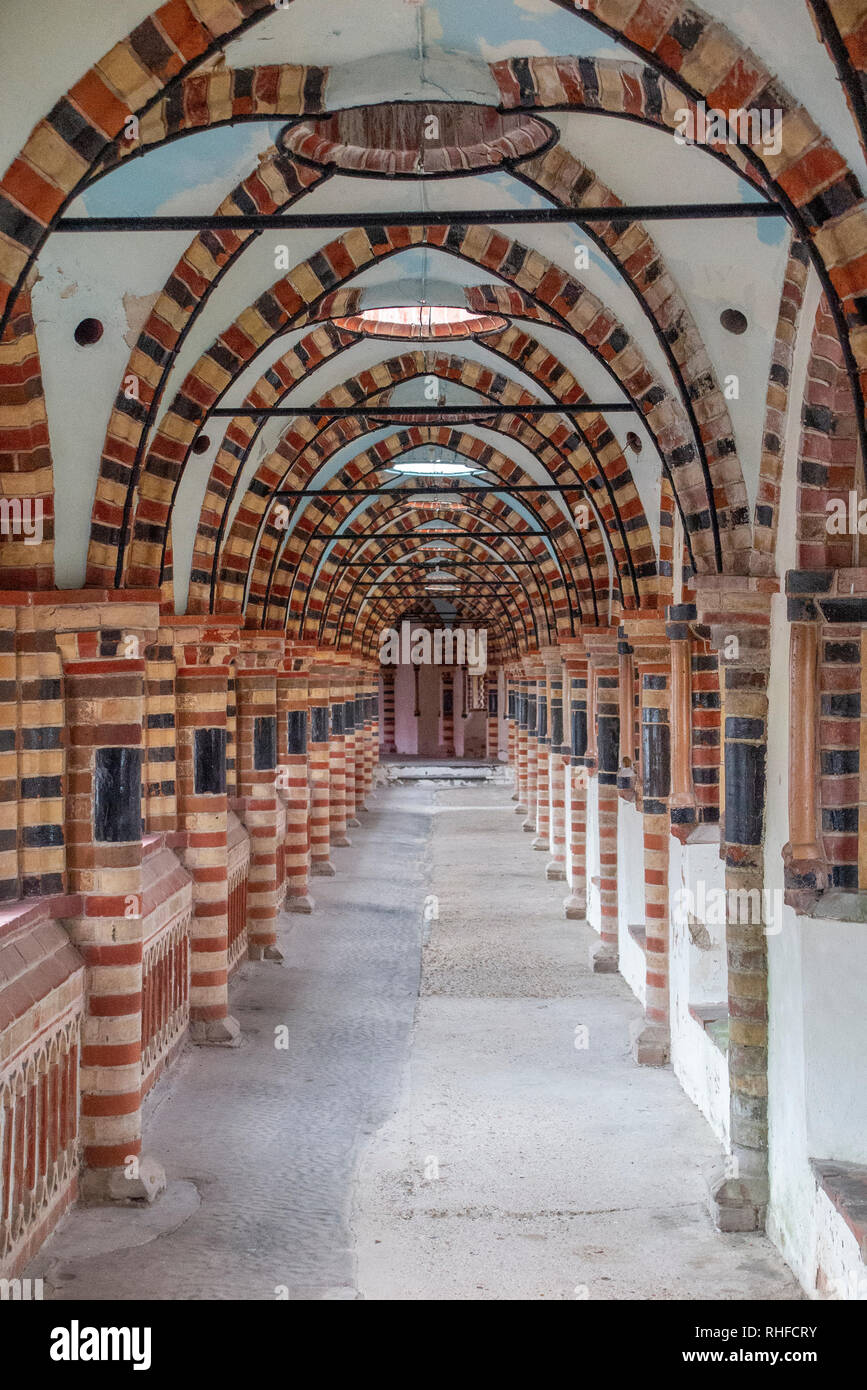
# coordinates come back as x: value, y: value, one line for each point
x: 260, y: 1144
x: 450, y: 1146
x: 518, y: 1166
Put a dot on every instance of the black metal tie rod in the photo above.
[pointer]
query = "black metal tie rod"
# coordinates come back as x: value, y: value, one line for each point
x: 412, y: 412
x: 401, y: 493
x: 378, y: 221
x: 362, y: 538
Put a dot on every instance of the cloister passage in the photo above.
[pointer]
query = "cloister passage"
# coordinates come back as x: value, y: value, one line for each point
x: 432, y: 840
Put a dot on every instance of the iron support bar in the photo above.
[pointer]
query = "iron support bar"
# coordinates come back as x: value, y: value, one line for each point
x: 464, y: 217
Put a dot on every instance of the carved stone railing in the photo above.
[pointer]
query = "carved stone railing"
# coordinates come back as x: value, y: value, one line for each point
x: 238, y: 869
x: 167, y: 913
x: 41, y: 1007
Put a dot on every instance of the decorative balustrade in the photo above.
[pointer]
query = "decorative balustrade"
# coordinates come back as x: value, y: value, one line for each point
x: 41, y: 1006
x: 167, y: 914
x: 238, y: 867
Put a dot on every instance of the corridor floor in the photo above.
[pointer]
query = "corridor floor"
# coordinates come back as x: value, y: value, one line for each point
x: 430, y: 1131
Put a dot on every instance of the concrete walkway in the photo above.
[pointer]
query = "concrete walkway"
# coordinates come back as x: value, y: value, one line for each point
x: 456, y: 1146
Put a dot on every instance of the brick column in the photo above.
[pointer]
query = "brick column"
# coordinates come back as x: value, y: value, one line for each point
x: 522, y: 744
x: 531, y: 716
x: 543, y: 783
x: 682, y: 805
x: 512, y: 733
x: 388, y: 744
x: 362, y: 741
x: 602, y: 648
x: 650, y: 1037
x: 739, y: 608
x: 555, y: 870
x: 104, y: 717
x: 257, y: 781
x: 492, y: 730
x: 349, y: 750
x: 201, y: 702
x: 337, y: 768
x: 320, y: 777
x: 626, y: 677
x: 447, y: 723
x: 806, y: 868
x: 575, y: 905
x: 292, y: 721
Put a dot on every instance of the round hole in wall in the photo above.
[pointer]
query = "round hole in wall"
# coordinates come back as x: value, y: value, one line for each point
x: 634, y: 442
x: 201, y: 444
x: 733, y: 321
x: 88, y: 331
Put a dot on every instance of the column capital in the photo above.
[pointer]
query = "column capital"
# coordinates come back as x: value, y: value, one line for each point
x: 739, y: 606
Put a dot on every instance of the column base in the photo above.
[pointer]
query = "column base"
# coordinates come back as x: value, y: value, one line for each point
x: 340, y: 842
x: 322, y: 868
x: 363, y: 810
x: 300, y: 903
x: 574, y: 909
x: 216, y: 1032
x: 541, y: 842
x: 603, y: 958
x: 353, y: 823
x: 738, y: 1204
x: 649, y: 1043
x: 519, y: 809
x: 270, y: 952
x: 99, y: 1186
x: 555, y: 872
x: 515, y: 798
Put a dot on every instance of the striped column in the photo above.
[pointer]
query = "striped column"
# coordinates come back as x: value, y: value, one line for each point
x: 532, y: 755
x: 349, y: 751
x: 543, y: 782
x: 388, y: 744
x: 201, y: 695
x: 492, y: 740
x: 682, y: 803
x: 575, y: 905
x: 654, y: 644
x: 522, y: 743
x: 337, y: 769
x: 104, y: 717
x: 447, y: 715
x: 257, y: 778
x: 604, y: 955
x: 555, y: 870
x: 739, y: 608
x: 512, y: 734
x: 318, y: 755
x: 292, y: 719
x: 372, y: 700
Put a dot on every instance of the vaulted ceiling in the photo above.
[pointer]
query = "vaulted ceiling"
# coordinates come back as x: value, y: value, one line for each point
x: 371, y: 107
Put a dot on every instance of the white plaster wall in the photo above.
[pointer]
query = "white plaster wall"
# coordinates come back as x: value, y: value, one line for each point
x: 697, y: 977
x: 594, y: 914
x: 630, y: 896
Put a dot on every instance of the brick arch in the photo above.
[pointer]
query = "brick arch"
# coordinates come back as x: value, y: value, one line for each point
x: 300, y: 559
x: 535, y: 619
x: 828, y: 453
x: 552, y: 572
x: 252, y: 533
x: 695, y: 52
x: 600, y: 463
x: 282, y: 306
x: 406, y: 519
x: 560, y: 175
